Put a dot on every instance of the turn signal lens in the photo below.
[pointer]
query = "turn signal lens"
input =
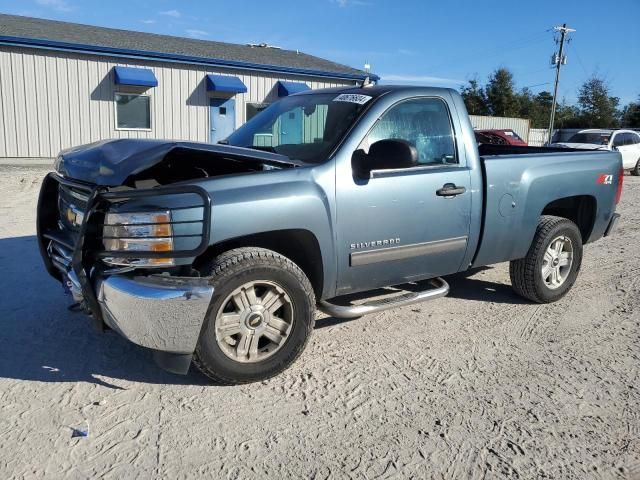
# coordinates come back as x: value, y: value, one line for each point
x: 138, y: 232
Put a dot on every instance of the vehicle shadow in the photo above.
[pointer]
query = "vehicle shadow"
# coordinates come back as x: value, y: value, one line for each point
x: 461, y: 285
x: 465, y: 287
x: 41, y: 340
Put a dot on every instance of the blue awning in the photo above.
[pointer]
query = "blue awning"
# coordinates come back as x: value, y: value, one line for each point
x: 289, y: 88
x: 225, y: 83
x: 141, y: 77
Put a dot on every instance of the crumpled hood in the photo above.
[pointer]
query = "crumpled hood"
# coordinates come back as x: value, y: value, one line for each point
x: 580, y: 146
x: 111, y: 162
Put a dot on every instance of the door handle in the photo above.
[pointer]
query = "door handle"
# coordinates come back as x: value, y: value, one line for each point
x: 450, y: 190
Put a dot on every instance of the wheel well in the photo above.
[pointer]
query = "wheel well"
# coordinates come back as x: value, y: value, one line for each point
x: 580, y: 209
x: 299, y: 246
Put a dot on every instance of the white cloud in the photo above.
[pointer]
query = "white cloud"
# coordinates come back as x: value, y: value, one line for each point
x: 148, y: 22
x: 171, y: 13
x: 427, y: 79
x: 60, y: 5
x: 193, y: 33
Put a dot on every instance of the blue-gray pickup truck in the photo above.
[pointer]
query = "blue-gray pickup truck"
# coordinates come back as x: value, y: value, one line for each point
x: 218, y: 255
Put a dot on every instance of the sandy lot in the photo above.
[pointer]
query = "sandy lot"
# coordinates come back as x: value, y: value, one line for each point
x: 480, y: 384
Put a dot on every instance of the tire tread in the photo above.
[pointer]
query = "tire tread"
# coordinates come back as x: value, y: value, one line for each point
x: 237, y: 259
x: 522, y: 271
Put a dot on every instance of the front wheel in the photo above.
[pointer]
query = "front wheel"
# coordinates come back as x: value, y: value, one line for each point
x: 260, y: 318
x: 552, y: 263
x: 636, y: 170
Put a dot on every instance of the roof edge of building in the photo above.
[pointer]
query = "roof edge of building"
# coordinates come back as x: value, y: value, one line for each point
x: 54, y: 45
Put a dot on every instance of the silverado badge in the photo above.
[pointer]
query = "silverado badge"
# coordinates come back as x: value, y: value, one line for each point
x: 375, y: 243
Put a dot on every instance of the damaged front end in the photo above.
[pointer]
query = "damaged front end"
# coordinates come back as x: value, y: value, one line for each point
x: 111, y: 268
x: 120, y: 226
x: 135, y: 163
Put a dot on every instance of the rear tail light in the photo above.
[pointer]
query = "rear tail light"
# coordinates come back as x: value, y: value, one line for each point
x: 620, y: 182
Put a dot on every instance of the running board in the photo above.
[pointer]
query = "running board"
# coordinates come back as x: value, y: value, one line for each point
x: 441, y: 289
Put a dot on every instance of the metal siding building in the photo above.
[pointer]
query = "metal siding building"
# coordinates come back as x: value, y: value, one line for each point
x: 518, y: 125
x: 55, y: 94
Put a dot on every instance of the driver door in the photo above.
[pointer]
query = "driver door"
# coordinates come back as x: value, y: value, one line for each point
x: 396, y: 227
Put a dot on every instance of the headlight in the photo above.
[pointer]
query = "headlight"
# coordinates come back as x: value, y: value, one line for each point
x: 138, y: 232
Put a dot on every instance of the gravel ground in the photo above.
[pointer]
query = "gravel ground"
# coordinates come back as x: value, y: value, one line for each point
x: 479, y: 384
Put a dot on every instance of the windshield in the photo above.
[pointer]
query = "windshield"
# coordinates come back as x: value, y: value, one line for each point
x: 597, y: 138
x: 302, y: 127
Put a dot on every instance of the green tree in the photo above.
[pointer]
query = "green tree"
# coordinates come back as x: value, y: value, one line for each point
x: 631, y: 115
x: 542, y: 110
x: 567, y: 116
x: 474, y: 98
x: 526, y: 103
x: 597, y: 108
x: 501, y: 97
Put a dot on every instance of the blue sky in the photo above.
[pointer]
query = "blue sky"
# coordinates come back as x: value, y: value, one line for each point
x: 405, y: 41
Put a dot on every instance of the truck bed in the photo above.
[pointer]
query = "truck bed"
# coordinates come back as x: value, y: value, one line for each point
x: 522, y: 183
x: 487, y: 149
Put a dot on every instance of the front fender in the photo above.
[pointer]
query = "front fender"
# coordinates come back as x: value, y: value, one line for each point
x: 296, y: 199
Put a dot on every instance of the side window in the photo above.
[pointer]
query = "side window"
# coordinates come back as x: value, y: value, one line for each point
x: 133, y: 112
x: 618, y: 140
x: 630, y: 138
x: 635, y: 138
x: 424, y: 122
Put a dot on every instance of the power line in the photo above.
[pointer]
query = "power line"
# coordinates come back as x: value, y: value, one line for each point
x: 498, y: 50
x: 537, y: 85
x: 558, y: 60
x: 575, y: 50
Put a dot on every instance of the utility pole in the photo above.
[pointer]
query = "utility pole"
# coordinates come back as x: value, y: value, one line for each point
x: 558, y: 60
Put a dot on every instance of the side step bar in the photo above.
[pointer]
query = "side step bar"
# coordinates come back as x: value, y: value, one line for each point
x: 441, y: 289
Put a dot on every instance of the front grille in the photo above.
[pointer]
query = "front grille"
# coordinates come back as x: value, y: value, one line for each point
x: 72, y: 206
x: 61, y: 209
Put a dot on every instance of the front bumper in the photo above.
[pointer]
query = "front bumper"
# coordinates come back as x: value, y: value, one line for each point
x: 158, y: 312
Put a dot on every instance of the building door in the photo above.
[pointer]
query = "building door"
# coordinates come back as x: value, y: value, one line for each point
x: 222, y: 118
x: 291, y: 127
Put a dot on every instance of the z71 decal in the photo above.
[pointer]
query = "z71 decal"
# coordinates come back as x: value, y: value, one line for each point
x: 605, y: 179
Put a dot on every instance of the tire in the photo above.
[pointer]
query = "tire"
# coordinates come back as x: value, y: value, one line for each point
x: 244, y: 279
x: 636, y: 170
x: 527, y: 274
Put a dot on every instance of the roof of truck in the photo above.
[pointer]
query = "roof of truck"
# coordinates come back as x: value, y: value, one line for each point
x: 375, y: 90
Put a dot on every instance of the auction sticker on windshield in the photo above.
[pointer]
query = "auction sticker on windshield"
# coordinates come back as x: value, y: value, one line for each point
x: 352, y: 98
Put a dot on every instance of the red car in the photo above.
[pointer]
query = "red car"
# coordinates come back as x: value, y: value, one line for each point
x: 502, y: 137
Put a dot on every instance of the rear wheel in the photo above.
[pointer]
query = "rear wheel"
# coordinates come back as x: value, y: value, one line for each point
x: 636, y: 170
x: 260, y: 319
x: 552, y: 263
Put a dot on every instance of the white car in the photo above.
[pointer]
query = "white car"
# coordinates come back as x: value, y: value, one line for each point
x: 627, y: 142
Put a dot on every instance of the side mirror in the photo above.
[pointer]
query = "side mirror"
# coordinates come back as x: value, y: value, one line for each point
x: 384, y: 155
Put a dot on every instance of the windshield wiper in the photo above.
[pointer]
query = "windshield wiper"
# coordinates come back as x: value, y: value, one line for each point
x: 264, y: 148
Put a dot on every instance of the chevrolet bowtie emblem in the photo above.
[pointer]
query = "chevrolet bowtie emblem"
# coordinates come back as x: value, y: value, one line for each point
x: 74, y: 216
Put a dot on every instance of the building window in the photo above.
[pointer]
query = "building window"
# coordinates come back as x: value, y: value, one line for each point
x: 133, y: 112
x: 255, y: 108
